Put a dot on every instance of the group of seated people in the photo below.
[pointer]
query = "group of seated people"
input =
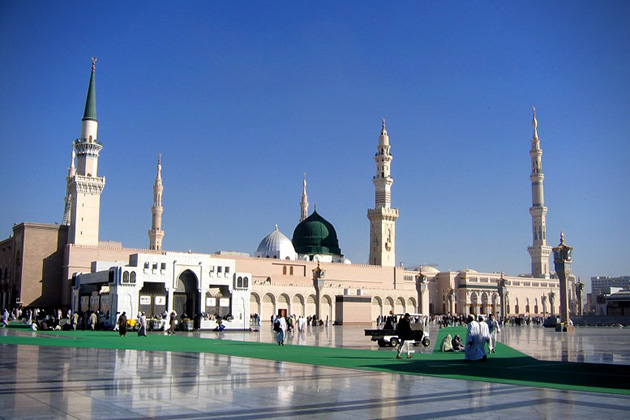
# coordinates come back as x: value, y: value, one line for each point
x: 452, y: 344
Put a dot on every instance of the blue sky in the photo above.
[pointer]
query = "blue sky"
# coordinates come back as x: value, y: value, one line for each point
x: 241, y: 98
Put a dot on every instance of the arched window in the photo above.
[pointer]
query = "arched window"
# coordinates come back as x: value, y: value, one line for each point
x: 239, y: 281
x: 125, y: 277
x: 133, y: 277
x: 245, y: 282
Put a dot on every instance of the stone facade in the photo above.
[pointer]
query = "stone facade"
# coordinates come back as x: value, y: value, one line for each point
x: 31, y: 263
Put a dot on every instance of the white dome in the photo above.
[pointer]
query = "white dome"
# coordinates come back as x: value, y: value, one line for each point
x: 428, y: 270
x: 276, y: 245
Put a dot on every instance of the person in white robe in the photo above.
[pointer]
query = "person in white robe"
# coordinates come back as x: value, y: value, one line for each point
x: 142, y: 331
x: 301, y: 324
x: 493, y: 326
x: 484, y: 333
x: 474, y: 344
x: 282, y: 330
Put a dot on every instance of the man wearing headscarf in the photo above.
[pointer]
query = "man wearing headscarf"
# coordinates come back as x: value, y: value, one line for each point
x: 474, y: 345
x: 485, y: 333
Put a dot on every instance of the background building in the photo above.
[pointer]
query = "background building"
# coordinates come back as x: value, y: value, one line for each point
x: 42, y: 265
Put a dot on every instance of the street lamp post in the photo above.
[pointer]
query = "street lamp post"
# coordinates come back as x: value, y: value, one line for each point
x: 318, y: 283
x: 562, y: 262
x: 501, y: 283
x: 423, y: 298
x: 578, y: 291
x: 451, y: 302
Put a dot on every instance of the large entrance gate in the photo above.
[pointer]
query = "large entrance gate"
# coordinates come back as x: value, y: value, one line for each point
x: 186, y: 299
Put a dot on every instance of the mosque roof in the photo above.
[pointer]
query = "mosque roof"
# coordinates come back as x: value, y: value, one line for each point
x: 315, y: 235
x: 428, y: 269
x: 276, y: 245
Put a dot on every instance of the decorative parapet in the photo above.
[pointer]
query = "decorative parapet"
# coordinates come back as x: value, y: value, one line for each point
x: 387, y: 213
x: 85, y: 147
x: 89, y: 184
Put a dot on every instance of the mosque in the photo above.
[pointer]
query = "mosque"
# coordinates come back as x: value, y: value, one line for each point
x: 67, y: 266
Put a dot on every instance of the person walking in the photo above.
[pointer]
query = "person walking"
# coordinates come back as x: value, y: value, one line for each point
x: 484, y: 333
x: 493, y: 326
x: 122, y: 325
x: 405, y: 335
x: 474, y: 344
x: 142, y: 331
x: 5, y: 318
x: 280, y: 327
x: 172, y: 323
x: 93, y: 320
x: 75, y: 320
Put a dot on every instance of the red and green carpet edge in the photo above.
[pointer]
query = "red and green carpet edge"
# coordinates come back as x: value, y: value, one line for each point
x: 507, y: 365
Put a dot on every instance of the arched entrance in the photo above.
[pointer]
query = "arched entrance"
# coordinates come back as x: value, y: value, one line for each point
x: 474, y: 303
x: 310, y: 305
x: 186, y: 297
x: 326, y: 310
x: 400, y: 306
x: 377, y: 308
x: 254, y: 304
x: 297, y: 306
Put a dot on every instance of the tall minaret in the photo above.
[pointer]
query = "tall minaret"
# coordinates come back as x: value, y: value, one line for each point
x: 67, y: 212
x: 156, y: 233
x: 382, y: 216
x: 86, y: 186
x: 304, y: 202
x: 539, y: 251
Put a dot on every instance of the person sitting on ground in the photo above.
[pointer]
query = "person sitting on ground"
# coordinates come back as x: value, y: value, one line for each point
x: 447, y: 343
x: 457, y: 343
x: 220, y: 326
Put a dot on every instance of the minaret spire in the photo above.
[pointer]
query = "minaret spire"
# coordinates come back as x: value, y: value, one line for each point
x: 90, y: 104
x: 539, y: 251
x: 84, y: 184
x: 382, y: 216
x: 156, y: 234
x: 304, y: 202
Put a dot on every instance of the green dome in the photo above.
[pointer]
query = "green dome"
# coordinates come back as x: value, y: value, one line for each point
x: 315, y: 235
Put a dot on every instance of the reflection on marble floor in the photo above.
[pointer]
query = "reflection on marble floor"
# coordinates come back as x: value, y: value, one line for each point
x: 70, y: 383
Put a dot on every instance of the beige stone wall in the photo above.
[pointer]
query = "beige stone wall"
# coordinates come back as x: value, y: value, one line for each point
x: 353, y: 310
x: 286, y: 284
x: 38, y: 263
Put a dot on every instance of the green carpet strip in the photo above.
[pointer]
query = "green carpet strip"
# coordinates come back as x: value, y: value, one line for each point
x: 507, y: 366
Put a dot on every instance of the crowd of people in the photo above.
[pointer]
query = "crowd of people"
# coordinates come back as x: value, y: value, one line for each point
x: 481, y: 338
x: 38, y: 319
x: 283, y: 325
x: 460, y: 320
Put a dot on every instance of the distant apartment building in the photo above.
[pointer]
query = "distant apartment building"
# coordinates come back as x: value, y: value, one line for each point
x: 601, y: 284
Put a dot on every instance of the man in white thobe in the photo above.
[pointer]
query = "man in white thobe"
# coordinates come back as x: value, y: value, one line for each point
x: 493, y: 326
x: 474, y: 344
x: 485, y: 333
